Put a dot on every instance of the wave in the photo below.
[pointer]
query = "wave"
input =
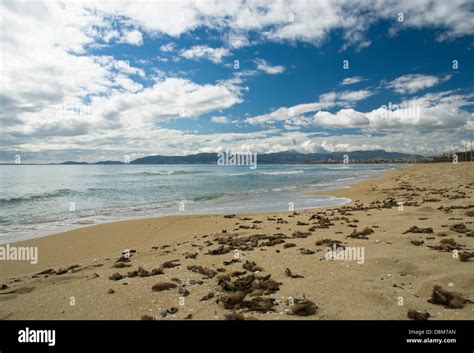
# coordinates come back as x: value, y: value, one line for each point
x: 282, y: 173
x: 165, y: 173
x: 150, y: 173
x: 209, y: 197
x: 39, y: 197
x: 289, y: 172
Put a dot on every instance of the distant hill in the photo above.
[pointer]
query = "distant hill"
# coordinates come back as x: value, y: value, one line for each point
x: 287, y: 157
x: 200, y: 158
x: 281, y: 157
x: 73, y: 163
x: 108, y: 162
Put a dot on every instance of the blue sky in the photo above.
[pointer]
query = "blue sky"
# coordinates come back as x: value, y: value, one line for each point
x: 93, y: 81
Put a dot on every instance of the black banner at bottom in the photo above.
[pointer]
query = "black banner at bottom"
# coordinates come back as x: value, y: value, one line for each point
x: 236, y: 336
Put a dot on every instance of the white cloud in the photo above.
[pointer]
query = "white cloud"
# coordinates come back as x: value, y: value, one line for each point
x: 262, y: 65
x: 354, y: 96
x: 202, y: 51
x: 56, y: 97
x: 168, y: 47
x: 413, y: 83
x: 220, y: 119
x: 132, y: 38
x: 433, y: 111
x: 344, y: 118
x: 236, y: 40
x: 295, y: 115
x: 108, y: 36
x: 352, y: 80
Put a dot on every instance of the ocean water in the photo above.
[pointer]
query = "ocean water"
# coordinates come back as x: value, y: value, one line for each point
x: 45, y: 199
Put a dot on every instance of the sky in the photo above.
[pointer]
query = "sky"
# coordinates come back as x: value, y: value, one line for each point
x: 91, y: 81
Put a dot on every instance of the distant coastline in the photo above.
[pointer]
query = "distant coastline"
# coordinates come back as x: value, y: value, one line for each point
x: 288, y: 157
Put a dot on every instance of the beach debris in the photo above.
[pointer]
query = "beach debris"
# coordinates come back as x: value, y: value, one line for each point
x: 260, y: 304
x: 273, y: 242
x: 110, y: 291
x: 171, y: 311
x: 304, y: 251
x: 188, y: 317
x: 156, y: 271
x: 417, y: 242
x: 116, y: 276
x: 302, y: 307
x: 208, y: 296
x: 330, y: 243
x: 126, y: 255
x: 415, y: 229
x: 250, y: 284
x: 466, y: 256
x: 94, y: 275
x: 183, y: 291
x: 202, y: 270
x: 170, y: 264
x: 234, y: 316
x: 66, y: 269
x: 49, y: 271
x: 322, y: 221
x: 230, y: 262
x: 459, y: 228
x: 362, y: 234
x: 221, y: 250
x: 447, y: 245
x: 252, y: 266
x: 147, y: 317
x: 141, y: 272
x: 418, y: 315
x: 299, y: 234
x: 452, y: 300
x: 289, y: 245
x: 3, y: 286
x: 120, y: 264
x: 299, y: 223
x: 190, y: 255
x: 291, y: 274
x: 163, y: 286
x: 237, y: 273
x: 229, y: 216
x: 281, y: 221
x: 232, y: 300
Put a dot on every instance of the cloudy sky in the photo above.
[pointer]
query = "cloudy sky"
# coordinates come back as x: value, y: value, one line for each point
x: 92, y: 81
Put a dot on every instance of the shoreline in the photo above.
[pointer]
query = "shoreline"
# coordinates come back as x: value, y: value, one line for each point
x: 394, y: 267
x: 346, y: 183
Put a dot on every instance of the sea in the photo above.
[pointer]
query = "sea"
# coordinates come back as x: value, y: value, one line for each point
x: 38, y: 200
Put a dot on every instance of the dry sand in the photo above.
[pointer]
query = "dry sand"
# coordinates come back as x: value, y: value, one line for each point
x: 394, y: 271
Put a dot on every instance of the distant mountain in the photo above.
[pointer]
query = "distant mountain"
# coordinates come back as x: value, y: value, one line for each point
x: 287, y: 157
x: 109, y: 162
x: 73, y: 163
x: 200, y: 158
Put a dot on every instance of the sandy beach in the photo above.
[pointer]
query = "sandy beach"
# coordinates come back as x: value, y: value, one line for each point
x: 414, y: 227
